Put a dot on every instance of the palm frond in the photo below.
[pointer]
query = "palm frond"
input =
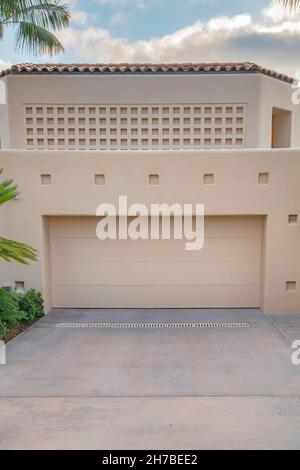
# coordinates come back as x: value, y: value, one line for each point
x: 7, y: 194
x: 11, y: 250
x: 290, y: 5
x: 35, y: 21
x: 42, y: 13
x: 37, y: 40
x: 8, y: 191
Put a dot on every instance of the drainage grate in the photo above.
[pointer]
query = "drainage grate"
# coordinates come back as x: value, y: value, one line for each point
x: 153, y: 325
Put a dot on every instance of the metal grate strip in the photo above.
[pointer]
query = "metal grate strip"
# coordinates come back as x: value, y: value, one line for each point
x: 153, y: 325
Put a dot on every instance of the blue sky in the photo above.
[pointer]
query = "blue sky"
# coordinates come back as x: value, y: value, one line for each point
x: 174, y: 30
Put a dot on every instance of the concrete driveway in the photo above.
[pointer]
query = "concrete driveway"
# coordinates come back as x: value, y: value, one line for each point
x: 94, y: 388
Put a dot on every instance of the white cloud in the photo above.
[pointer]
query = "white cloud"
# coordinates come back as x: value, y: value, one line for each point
x: 224, y: 23
x: 273, y: 44
x: 4, y: 65
x: 78, y: 17
x: 277, y: 13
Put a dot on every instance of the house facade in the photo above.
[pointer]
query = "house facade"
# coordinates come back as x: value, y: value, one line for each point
x: 223, y: 135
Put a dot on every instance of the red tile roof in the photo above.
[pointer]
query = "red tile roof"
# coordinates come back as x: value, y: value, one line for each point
x: 241, y: 67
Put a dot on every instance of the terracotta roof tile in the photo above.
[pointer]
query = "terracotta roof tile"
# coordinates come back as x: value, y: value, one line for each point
x: 240, y: 67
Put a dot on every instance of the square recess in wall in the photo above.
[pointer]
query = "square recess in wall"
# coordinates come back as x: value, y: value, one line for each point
x: 46, y: 179
x: 263, y: 178
x: 208, y: 178
x: 100, y: 179
x: 19, y: 287
x: 154, y: 179
x: 291, y: 286
x: 293, y: 219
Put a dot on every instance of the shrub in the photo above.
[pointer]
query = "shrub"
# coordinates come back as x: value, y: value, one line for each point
x: 17, y: 307
x: 10, y: 313
x: 31, y: 304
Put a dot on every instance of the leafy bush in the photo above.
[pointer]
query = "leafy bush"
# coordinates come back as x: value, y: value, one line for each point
x: 17, y: 307
x: 31, y: 304
x: 10, y: 313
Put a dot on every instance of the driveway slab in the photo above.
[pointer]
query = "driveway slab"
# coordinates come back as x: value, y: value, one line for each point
x: 150, y: 423
x: 159, y: 388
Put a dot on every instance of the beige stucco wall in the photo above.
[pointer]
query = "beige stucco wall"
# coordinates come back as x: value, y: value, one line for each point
x: 235, y: 192
x: 260, y: 93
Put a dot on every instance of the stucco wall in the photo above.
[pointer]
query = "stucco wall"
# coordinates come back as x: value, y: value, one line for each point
x: 258, y: 92
x: 274, y: 93
x: 235, y: 192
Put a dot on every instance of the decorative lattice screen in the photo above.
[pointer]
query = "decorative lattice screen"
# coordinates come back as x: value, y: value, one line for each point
x: 135, y: 126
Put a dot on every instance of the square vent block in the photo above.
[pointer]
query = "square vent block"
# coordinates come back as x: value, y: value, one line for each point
x: 208, y: 178
x: 46, y: 179
x: 263, y: 178
x: 291, y: 286
x: 20, y: 287
x: 293, y: 219
x: 100, y: 179
x: 154, y: 179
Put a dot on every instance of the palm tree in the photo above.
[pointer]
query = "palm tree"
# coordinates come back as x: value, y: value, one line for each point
x: 35, y: 21
x: 289, y: 4
x: 9, y: 249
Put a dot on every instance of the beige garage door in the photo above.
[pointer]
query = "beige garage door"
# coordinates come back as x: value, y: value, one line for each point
x: 87, y: 272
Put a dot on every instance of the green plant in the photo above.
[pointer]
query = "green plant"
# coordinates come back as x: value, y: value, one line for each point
x: 7, y: 190
x: 10, y: 313
x: 289, y: 4
x: 11, y: 250
x: 34, y: 20
x: 17, y: 307
x: 30, y: 304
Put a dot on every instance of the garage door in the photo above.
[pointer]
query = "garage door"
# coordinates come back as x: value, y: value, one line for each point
x: 87, y: 272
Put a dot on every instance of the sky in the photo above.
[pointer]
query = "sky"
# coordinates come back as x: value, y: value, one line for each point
x: 174, y: 31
